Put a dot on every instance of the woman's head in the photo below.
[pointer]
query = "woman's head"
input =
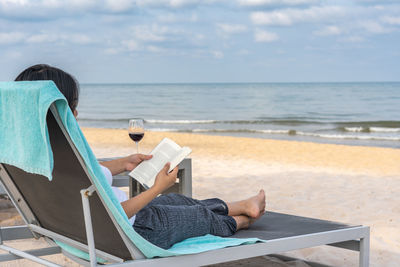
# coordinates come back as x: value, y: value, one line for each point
x: 65, y: 82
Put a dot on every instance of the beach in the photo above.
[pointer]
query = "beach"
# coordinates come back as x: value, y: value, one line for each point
x: 350, y: 184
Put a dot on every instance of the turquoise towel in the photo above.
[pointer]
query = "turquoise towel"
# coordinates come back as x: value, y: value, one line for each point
x: 23, y: 130
x: 24, y: 143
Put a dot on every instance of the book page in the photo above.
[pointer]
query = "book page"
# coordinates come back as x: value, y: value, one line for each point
x: 166, y: 151
x: 183, y: 153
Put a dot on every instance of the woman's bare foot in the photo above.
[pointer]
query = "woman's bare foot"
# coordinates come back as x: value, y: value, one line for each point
x: 255, y: 206
x: 252, y: 207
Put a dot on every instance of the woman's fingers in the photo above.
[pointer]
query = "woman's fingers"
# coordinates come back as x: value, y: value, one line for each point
x: 166, y: 167
x: 145, y: 157
x: 174, y: 172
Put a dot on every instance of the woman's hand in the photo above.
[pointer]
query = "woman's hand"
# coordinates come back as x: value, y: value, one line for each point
x: 165, y: 180
x: 132, y: 161
x: 128, y: 163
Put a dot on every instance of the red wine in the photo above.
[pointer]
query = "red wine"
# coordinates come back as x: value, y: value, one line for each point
x: 136, y: 136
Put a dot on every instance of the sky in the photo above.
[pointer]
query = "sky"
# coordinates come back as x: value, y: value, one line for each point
x: 186, y: 41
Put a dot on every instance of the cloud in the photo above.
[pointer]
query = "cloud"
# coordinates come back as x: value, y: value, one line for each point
x: 243, y: 52
x: 7, y: 38
x: 174, y: 3
x: 182, y: 18
x: 21, y: 37
x: 190, y: 27
x: 41, y: 8
x: 328, y: 31
x: 42, y: 38
x: 154, y: 33
x: 54, y: 9
x: 9, y: 4
x: 119, y: 5
x: 155, y: 49
x: 375, y: 2
x: 158, y: 38
x: 217, y: 54
x: 73, y: 38
x: 287, y: 17
x: 130, y: 45
x: 77, y: 38
x: 353, y: 39
x: 226, y: 29
x: 258, y: 3
x: 271, y: 18
x: 168, y: 18
x: 391, y: 20
x: 111, y: 51
x: 262, y: 36
x: 374, y: 27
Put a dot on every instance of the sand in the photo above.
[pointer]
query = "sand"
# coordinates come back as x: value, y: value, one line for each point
x: 356, y: 185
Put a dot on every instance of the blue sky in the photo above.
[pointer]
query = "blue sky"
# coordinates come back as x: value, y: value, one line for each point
x: 151, y: 41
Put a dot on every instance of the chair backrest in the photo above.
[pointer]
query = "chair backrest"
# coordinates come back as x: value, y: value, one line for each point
x: 57, y: 205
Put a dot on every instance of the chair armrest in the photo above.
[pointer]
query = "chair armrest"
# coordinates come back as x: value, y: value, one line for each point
x: 183, y: 185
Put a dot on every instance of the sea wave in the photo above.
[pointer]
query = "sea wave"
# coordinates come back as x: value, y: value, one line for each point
x: 163, y: 130
x: 371, y: 129
x: 368, y: 124
x: 286, y: 132
x: 103, y: 119
x: 289, y: 132
x: 180, y: 121
x: 257, y: 121
x: 349, y: 126
x: 355, y: 129
x: 239, y: 131
x: 354, y: 137
x: 384, y: 130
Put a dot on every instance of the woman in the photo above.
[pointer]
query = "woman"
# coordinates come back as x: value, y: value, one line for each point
x: 166, y: 219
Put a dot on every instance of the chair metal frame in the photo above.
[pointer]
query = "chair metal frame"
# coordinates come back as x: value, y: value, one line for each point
x: 355, y: 238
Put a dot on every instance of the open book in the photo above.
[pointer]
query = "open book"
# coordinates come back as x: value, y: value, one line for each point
x: 166, y: 151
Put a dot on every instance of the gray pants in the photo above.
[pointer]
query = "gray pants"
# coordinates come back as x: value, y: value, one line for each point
x: 171, y: 218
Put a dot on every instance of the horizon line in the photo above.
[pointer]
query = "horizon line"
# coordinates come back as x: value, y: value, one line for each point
x: 311, y: 82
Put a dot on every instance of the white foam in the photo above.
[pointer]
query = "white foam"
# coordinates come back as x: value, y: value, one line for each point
x: 356, y: 137
x: 215, y: 131
x: 163, y: 130
x: 180, y: 121
x: 384, y: 129
x: 354, y: 129
x: 273, y: 131
x: 290, y: 132
x: 241, y: 131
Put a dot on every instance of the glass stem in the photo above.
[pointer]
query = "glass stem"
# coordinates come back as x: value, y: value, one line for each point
x: 137, y: 147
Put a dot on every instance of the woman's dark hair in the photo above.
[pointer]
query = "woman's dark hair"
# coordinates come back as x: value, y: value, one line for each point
x: 65, y: 82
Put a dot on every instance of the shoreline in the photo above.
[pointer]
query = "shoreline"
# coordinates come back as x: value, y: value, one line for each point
x: 290, y: 135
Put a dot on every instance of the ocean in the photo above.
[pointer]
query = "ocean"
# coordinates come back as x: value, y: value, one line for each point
x: 366, y: 114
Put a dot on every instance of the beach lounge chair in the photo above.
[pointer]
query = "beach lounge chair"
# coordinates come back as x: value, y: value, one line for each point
x: 76, y: 224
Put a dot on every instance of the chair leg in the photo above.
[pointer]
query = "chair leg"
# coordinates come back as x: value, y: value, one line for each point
x: 24, y: 255
x: 364, y: 251
x: 86, y: 193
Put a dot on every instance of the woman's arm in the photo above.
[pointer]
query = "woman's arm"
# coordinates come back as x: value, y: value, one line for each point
x: 128, y: 163
x: 163, y: 181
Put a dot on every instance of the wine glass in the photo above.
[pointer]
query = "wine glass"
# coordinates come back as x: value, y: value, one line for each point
x: 136, y: 131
